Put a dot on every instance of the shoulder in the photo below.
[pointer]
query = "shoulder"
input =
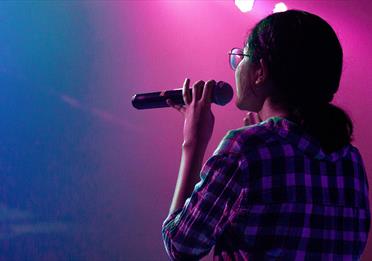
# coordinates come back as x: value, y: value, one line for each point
x: 237, y: 140
x: 355, y: 154
x: 357, y: 159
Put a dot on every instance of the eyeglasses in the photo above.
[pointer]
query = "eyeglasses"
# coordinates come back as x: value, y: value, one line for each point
x: 236, y: 55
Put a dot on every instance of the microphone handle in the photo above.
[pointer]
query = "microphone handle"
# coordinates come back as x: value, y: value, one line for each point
x: 157, y: 99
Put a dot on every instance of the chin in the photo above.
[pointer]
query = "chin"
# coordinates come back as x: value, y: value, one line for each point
x: 240, y: 105
x: 246, y: 106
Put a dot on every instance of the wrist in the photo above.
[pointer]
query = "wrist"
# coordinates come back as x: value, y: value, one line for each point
x: 194, y: 147
x: 194, y: 144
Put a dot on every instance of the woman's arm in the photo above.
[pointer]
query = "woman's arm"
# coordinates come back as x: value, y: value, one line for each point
x: 191, y: 231
x: 188, y: 176
x: 197, y: 131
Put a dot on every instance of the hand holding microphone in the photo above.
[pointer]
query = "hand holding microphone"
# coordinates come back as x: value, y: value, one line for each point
x: 194, y: 104
x: 199, y: 119
x: 222, y: 94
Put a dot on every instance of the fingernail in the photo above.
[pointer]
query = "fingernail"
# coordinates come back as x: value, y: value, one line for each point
x: 213, y: 82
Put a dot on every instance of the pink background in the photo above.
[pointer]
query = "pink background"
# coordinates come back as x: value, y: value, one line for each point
x: 103, y: 169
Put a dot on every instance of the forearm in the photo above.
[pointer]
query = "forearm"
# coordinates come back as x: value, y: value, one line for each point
x: 188, y: 175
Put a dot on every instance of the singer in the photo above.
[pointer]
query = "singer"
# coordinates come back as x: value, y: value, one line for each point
x: 287, y: 186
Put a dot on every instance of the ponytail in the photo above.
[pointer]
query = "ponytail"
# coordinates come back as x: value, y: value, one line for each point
x: 329, y: 124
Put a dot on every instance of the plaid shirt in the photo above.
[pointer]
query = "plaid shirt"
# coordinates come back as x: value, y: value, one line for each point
x: 269, y: 192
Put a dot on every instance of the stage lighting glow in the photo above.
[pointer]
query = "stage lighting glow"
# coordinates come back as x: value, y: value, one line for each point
x: 244, y: 5
x: 280, y: 7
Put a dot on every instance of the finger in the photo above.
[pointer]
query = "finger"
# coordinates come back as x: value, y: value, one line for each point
x: 254, y: 118
x: 178, y: 107
x: 257, y: 118
x: 248, y: 119
x: 251, y: 118
x: 197, y: 90
x: 208, y: 91
x: 186, y: 92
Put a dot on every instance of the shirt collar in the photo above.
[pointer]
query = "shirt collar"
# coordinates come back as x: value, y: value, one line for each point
x: 294, y: 134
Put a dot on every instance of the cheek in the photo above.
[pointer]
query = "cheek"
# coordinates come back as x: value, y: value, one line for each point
x: 241, y: 78
x: 238, y: 81
x: 239, y: 74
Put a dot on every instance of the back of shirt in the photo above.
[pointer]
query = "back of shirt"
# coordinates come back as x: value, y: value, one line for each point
x: 269, y: 192
x: 296, y: 202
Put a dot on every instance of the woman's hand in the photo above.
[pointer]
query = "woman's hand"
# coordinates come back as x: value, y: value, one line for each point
x: 251, y: 118
x: 197, y: 131
x: 199, y: 119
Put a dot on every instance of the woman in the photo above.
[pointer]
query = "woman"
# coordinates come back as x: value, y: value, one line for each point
x: 289, y: 186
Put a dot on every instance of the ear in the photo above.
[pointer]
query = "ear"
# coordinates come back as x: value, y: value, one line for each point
x: 261, y: 72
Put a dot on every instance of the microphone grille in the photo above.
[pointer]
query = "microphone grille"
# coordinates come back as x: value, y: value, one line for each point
x: 222, y: 93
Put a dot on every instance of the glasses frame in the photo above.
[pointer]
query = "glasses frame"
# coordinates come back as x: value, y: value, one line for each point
x: 242, y: 56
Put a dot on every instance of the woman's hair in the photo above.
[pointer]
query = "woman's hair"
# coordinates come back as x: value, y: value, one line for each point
x: 304, y: 58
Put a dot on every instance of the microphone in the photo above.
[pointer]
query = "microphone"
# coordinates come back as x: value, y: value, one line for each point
x: 222, y: 95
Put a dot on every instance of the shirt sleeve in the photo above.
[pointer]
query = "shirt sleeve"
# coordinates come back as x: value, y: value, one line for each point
x: 190, y: 233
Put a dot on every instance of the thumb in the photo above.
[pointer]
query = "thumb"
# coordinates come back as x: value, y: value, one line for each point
x: 179, y: 108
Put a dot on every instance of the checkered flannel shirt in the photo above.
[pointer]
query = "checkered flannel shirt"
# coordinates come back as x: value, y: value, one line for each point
x: 269, y: 192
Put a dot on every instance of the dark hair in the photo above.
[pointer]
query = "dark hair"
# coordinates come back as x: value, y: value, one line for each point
x: 304, y: 58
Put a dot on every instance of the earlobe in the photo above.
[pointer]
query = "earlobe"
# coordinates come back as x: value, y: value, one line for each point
x: 258, y: 77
